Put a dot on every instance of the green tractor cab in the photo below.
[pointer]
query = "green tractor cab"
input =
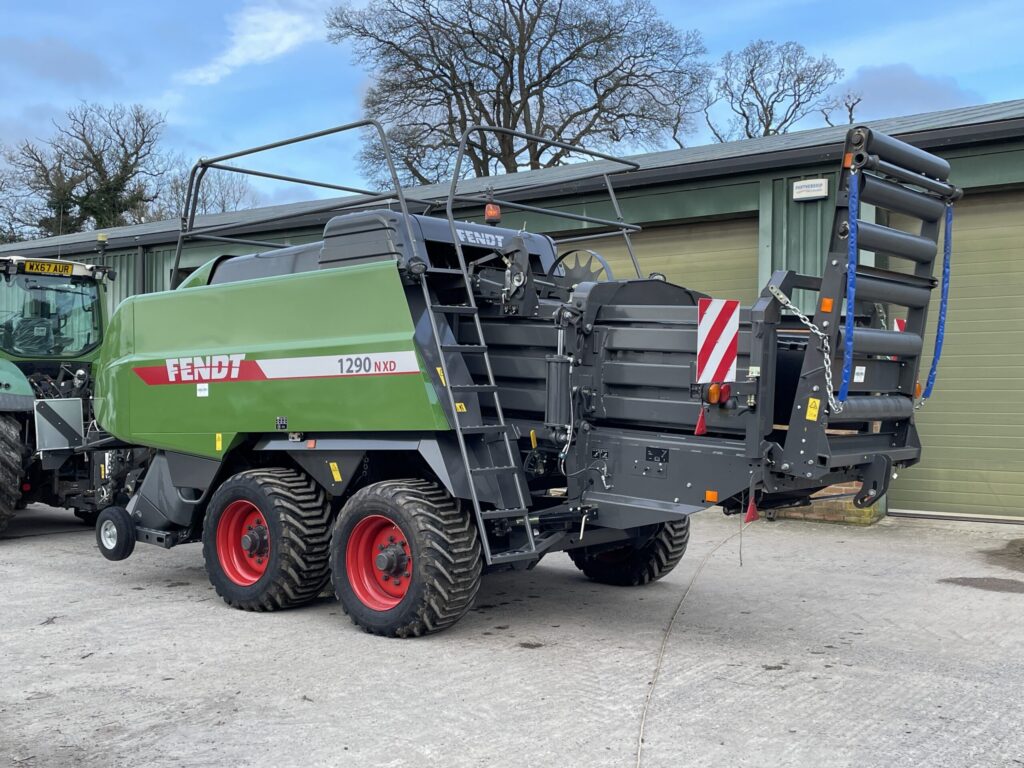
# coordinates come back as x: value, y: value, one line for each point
x: 52, y: 320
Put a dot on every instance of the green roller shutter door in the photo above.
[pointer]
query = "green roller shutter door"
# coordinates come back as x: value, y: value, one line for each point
x: 972, y: 429
x: 715, y: 257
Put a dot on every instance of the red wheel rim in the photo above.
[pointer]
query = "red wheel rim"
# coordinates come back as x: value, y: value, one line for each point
x: 378, y: 562
x: 243, y: 542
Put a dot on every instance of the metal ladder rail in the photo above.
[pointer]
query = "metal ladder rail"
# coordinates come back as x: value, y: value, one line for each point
x: 478, y: 328
x: 522, y: 511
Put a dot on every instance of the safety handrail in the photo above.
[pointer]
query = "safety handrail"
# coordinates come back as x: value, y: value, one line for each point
x: 627, y: 165
x: 189, y: 230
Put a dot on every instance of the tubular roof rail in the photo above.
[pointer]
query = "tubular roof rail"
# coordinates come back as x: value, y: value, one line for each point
x: 618, y: 224
x: 362, y: 197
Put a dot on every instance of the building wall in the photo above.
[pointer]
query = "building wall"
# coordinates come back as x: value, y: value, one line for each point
x: 972, y: 426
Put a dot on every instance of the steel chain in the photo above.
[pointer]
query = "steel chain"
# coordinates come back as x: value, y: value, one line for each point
x: 826, y: 348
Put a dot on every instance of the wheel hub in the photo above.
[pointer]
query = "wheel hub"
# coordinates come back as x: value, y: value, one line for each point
x: 108, y: 532
x: 392, y: 560
x: 243, y: 542
x: 378, y: 562
x: 256, y: 541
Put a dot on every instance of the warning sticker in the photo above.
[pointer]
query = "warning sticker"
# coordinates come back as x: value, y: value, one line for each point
x: 858, y: 374
x: 813, y: 404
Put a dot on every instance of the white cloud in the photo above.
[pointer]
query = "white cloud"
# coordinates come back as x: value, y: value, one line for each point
x: 258, y: 34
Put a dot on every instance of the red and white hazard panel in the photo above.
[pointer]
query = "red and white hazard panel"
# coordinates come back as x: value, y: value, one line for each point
x: 718, y: 337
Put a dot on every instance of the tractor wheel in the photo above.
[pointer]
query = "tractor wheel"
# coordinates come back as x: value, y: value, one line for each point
x: 10, y: 468
x: 639, y: 562
x: 265, y: 539
x: 405, y: 559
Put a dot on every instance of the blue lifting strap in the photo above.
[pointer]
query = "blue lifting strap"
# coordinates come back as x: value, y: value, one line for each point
x: 940, y: 331
x: 851, y: 286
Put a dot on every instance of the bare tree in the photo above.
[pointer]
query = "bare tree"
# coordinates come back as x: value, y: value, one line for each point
x: 594, y: 72
x: 848, y: 102
x: 97, y: 170
x: 220, y: 192
x: 769, y: 87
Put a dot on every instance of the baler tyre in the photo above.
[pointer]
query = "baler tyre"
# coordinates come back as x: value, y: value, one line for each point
x: 637, y: 563
x: 11, y: 470
x: 115, y: 533
x: 266, y: 538
x: 405, y: 558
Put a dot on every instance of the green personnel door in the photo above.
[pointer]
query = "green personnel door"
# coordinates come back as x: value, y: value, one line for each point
x: 972, y: 428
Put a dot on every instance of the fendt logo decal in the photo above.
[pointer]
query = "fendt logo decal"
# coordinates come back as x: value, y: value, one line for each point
x: 488, y: 239
x: 212, y: 368
x: 235, y: 367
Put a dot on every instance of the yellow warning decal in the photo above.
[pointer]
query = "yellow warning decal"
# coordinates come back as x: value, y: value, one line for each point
x: 219, y: 441
x: 103, y: 471
x: 460, y: 407
x: 440, y: 374
x: 813, y: 404
x: 335, y: 472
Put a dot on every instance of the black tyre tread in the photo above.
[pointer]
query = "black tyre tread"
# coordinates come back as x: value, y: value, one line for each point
x: 649, y: 562
x: 451, y: 559
x: 302, y: 509
x: 11, y: 470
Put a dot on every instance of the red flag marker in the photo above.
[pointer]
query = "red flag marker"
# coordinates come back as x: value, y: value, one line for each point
x: 751, y: 512
x: 701, y: 428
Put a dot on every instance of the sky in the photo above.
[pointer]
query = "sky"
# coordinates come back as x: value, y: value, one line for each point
x: 229, y: 74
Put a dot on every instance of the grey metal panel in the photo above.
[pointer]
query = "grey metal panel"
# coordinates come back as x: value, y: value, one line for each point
x: 664, y: 339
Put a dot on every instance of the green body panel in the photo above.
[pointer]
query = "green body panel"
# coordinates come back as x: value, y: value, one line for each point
x: 12, y: 380
x: 353, y: 310
x: 15, y: 392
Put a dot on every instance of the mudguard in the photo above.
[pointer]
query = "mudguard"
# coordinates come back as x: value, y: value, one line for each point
x: 15, y: 392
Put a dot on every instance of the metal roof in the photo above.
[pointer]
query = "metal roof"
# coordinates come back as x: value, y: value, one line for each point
x: 1004, y: 120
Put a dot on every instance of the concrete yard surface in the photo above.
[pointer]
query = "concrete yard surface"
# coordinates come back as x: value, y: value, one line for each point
x: 901, y: 644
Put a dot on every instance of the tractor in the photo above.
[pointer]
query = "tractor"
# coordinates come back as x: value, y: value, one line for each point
x: 52, y: 319
x: 418, y: 399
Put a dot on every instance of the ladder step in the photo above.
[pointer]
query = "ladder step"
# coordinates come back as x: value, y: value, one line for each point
x: 513, y: 556
x: 893, y: 288
x: 490, y: 470
x: 875, y: 237
x: 465, y: 349
x: 484, y: 429
x: 906, y: 155
x: 481, y: 388
x: 873, y: 341
x: 452, y: 309
x: 502, y: 514
x: 895, y: 197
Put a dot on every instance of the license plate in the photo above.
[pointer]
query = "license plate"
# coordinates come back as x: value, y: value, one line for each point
x: 48, y: 268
